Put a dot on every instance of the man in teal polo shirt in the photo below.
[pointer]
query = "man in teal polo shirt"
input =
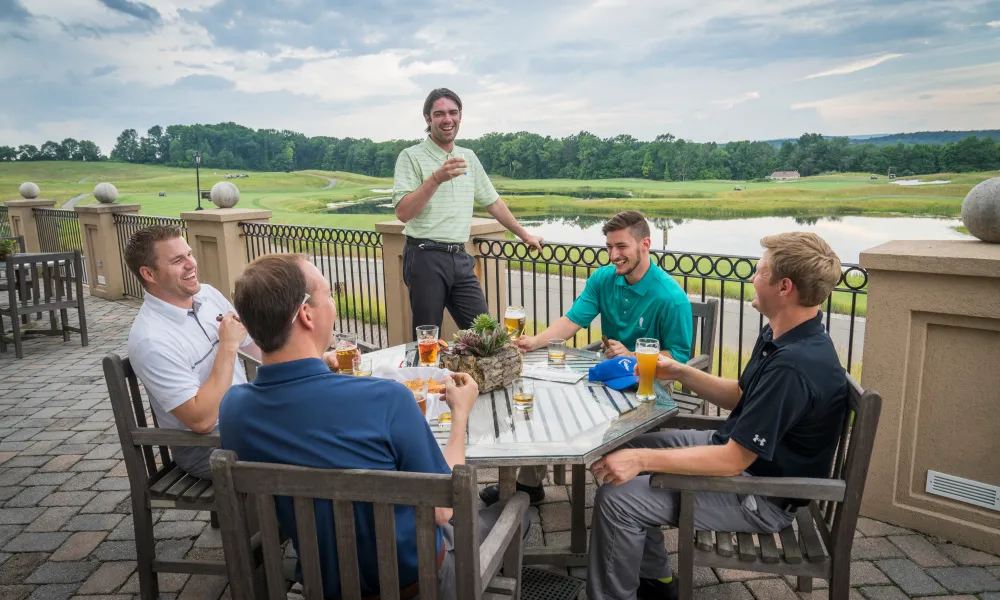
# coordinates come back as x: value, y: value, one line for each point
x: 634, y: 298
x: 435, y: 186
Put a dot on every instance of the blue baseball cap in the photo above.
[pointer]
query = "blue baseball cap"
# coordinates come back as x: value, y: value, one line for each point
x: 616, y: 373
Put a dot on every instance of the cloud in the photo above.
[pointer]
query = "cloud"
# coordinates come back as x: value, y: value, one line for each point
x: 138, y: 10
x: 11, y: 10
x: 854, y: 67
x: 993, y: 24
x: 731, y: 102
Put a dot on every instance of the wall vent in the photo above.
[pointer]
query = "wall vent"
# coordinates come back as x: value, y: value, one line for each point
x: 963, y: 490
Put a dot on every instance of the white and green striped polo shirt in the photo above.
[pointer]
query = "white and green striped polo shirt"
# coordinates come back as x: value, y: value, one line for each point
x: 447, y: 216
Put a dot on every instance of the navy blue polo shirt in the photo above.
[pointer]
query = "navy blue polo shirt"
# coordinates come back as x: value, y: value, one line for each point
x: 791, y: 410
x: 300, y: 413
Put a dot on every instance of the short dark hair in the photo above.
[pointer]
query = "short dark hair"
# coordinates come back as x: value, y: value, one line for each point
x: 267, y: 295
x: 141, y: 248
x: 629, y: 219
x: 436, y: 95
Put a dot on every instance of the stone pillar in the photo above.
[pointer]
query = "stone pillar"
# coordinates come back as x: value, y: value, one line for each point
x: 932, y: 350
x: 219, y: 244
x: 101, y: 249
x: 22, y: 220
x: 397, y: 299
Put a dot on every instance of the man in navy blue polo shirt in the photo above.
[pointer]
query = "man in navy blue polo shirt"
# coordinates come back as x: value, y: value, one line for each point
x: 298, y: 412
x: 787, y: 411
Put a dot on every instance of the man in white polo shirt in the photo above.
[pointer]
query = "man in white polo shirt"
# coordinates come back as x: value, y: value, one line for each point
x: 434, y: 188
x: 184, y: 341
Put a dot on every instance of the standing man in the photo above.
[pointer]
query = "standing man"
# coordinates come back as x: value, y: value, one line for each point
x: 435, y: 186
x: 184, y: 340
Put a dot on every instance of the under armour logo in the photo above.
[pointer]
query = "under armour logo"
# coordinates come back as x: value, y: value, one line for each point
x: 759, y: 440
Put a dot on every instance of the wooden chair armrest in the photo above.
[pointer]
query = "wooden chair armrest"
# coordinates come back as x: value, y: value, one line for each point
x: 696, y: 422
x: 802, y: 488
x: 701, y: 362
x: 155, y: 436
x: 492, y: 549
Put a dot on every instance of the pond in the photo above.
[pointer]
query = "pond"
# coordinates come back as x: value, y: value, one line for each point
x: 848, y: 235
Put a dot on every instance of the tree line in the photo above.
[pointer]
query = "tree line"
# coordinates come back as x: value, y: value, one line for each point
x: 525, y: 155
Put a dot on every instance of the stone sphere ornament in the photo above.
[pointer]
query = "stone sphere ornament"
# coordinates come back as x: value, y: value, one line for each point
x: 105, y: 193
x: 981, y: 211
x: 225, y: 194
x: 29, y: 190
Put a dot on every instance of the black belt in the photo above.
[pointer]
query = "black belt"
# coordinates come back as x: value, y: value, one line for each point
x: 424, y: 244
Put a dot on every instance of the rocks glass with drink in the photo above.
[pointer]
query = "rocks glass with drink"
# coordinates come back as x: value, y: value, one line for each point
x: 647, y: 350
x: 523, y: 394
x: 362, y: 366
x: 346, y: 346
x: 427, y: 345
x: 557, y: 352
x: 514, y: 319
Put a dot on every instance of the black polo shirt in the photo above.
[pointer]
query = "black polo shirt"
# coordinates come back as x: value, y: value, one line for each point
x: 792, y: 405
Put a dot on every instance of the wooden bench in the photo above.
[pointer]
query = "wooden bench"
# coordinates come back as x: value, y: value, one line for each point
x: 241, y: 486
x: 819, y: 545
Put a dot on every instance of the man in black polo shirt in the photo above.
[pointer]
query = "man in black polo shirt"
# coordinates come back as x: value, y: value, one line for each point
x: 787, y: 411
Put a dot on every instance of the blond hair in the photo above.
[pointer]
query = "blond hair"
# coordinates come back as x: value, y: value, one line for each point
x: 807, y: 260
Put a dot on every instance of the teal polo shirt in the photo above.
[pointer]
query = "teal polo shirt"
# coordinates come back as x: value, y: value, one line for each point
x: 655, y: 307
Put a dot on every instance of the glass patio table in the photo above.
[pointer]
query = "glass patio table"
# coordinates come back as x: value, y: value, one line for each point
x: 569, y: 424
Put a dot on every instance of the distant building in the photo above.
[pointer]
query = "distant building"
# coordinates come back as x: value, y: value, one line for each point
x: 784, y: 175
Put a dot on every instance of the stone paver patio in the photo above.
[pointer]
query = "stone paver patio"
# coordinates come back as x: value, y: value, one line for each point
x: 66, y: 529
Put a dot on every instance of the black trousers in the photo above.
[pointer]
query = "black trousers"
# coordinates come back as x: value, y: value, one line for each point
x: 438, y: 280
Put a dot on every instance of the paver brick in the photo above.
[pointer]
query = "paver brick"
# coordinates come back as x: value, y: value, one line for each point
x: 15, y: 592
x: 40, y: 447
x: 921, y: 551
x: 26, y: 461
x: 965, y: 579
x: 771, y: 589
x: 908, y: 576
x: 169, y: 582
x: 178, y: 529
x: 94, y: 465
x: 104, y: 502
x: 871, y: 527
x: 725, y: 591
x: 55, y: 591
x: 93, y: 522
x: 8, y: 532
x: 865, y: 573
x: 19, y: 516
x: 883, y: 592
x: 68, y: 498
x: 968, y: 556
x: 6, y: 493
x: 61, y: 463
x: 203, y: 587
x: 102, y: 451
x: 111, y: 483
x: 115, y: 550
x: 52, y: 519
x: 20, y: 566
x: 107, y: 578
x: 78, y: 546
x: 81, y: 481
x: 30, y: 496
x: 556, y: 516
x: 46, y: 479
x: 14, y: 476
x: 36, y: 542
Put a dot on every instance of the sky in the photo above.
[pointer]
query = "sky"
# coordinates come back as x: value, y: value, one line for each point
x: 704, y: 70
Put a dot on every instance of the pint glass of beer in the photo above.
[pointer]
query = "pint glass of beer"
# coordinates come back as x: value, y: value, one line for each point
x: 346, y: 346
x: 513, y: 318
x: 427, y: 344
x: 646, y: 352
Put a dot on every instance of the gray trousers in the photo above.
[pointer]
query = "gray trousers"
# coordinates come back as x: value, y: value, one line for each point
x: 626, y: 539
x: 438, y: 280
x: 487, y: 519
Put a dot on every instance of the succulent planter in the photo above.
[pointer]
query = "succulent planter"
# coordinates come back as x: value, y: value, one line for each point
x: 489, y: 372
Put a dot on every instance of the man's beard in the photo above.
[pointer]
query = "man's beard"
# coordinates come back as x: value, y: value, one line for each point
x: 635, y: 265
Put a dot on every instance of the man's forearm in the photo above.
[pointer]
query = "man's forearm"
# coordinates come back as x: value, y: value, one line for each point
x: 724, y: 393
x: 454, y: 450
x: 411, y: 204
x: 707, y: 461
x: 502, y: 214
x: 210, y: 394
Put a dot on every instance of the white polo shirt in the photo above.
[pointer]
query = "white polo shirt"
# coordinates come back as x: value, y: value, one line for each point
x: 172, y: 350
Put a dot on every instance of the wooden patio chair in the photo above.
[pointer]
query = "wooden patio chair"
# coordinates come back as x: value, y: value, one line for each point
x: 156, y: 483
x: 42, y: 282
x: 820, y: 545
x: 240, y: 486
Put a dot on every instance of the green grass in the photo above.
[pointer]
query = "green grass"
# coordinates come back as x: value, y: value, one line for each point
x: 358, y: 308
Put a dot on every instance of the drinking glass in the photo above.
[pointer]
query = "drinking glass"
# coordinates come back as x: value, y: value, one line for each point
x: 362, y: 366
x: 346, y: 346
x: 427, y: 344
x: 523, y: 393
x: 557, y: 352
x: 514, y: 319
x: 421, y: 398
x: 646, y: 352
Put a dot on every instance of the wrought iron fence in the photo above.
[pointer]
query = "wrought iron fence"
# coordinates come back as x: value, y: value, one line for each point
x: 547, y: 283
x: 350, y: 259
x: 5, y: 230
x: 125, y: 226
x: 59, y: 231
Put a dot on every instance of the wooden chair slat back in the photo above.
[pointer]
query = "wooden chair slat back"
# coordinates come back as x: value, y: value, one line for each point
x: 129, y: 411
x: 238, y: 481
x: 864, y: 409
x: 270, y: 543
x: 703, y: 331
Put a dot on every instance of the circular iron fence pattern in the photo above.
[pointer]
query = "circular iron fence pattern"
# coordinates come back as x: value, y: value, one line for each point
x: 306, y: 233
x: 854, y: 279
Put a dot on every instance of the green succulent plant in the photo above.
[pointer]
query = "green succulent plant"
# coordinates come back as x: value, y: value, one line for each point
x: 485, y: 322
x: 486, y: 338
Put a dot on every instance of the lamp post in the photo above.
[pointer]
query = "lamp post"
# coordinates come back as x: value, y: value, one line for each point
x: 197, y: 176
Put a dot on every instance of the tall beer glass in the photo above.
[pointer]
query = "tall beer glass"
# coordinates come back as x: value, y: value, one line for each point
x: 427, y: 344
x: 513, y: 318
x: 346, y: 345
x: 646, y: 352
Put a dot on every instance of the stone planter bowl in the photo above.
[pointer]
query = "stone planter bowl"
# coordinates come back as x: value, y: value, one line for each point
x: 981, y: 211
x: 105, y: 193
x: 29, y: 190
x: 225, y: 194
